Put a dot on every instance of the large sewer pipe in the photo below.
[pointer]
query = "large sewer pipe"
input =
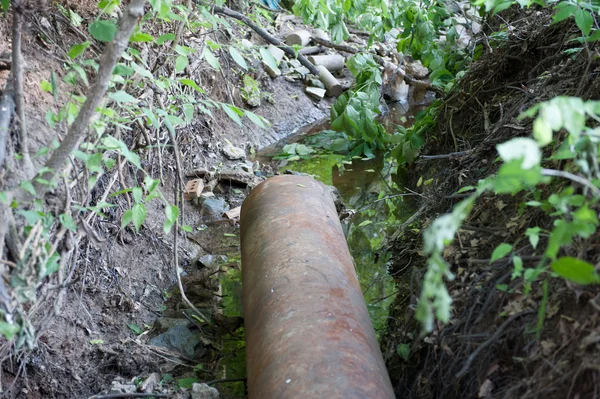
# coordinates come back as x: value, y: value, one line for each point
x: 308, y: 331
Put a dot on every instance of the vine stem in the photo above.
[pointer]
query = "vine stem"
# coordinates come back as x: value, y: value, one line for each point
x: 572, y: 177
x: 78, y: 129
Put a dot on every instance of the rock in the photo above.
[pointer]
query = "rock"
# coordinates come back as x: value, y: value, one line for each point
x: 234, y: 213
x: 313, y: 81
x: 233, y: 153
x: 236, y: 177
x: 118, y: 387
x: 179, y: 339
x: 199, y: 172
x: 419, y: 91
x: 315, y: 92
x: 203, y: 391
x: 214, y: 207
x: 164, y: 323
x: 209, y: 260
x: 276, y: 52
x: 416, y: 69
x: 272, y: 72
x: 394, y: 87
x: 250, y: 92
x: 150, y: 383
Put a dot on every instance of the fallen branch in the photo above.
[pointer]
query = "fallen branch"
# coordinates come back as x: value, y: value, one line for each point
x: 17, y: 78
x: 78, y: 129
x: 572, y: 177
x: 264, y: 34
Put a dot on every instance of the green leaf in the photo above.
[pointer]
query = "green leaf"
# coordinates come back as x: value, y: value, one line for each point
x: 181, y: 62
x: 500, y: 252
x: 126, y: 218
x: 231, y: 113
x: 122, y: 97
x: 4, y: 197
x: 141, y: 38
x: 171, y: 216
x: 566, y: 10
x: 520, y: 148
x: 133, y: 327
x: 534, y: 236
x: 165, y: 38
x: 103, y: 30
x: 403, y: 351
x: 210, y: 58
x: 137, y: 194
x: 575, y: 270
x: 365, y: 223
x: 46, y: 86
x: 192, y: 84
x: 268, y: 59
x: 584, y: 21
x: 138, y: 213
x: 78, y: 49
x: 27, y: 186
x: 238, y: 58
x: 67, y: 221
x: 187, y: 382
x: 256, y: 119
x: 6, y: 329
x: 97, y: 341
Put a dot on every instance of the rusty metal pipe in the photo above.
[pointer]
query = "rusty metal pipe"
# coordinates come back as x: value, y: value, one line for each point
x: 308, y: 331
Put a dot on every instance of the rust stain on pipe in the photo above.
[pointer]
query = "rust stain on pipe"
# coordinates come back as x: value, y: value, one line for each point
x: 308, y: 331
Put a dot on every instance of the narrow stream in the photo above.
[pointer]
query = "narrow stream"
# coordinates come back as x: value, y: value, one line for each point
x: 363, y: 185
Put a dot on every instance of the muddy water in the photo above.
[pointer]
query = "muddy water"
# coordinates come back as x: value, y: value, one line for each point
x: 361, y: 183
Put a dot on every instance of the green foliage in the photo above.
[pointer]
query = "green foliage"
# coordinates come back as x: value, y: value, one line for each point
x: 521, y: 171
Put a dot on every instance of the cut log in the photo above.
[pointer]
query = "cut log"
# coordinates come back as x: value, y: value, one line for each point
x: 321, y: 34
x: 333, y: 62
x: 310, y: 50
x: 299, y: 37
x: 333, y: 86
x: 276, y: 52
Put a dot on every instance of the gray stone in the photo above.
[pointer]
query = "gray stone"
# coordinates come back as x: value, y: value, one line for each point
x: 164, y: 323
x: 203, y: 391
x: 315, y: 92
x: 416, y: 69
x: 233, y: 153
x: 118, y: 387
x: 209, y: 260
x: 313, y: 81
x: 214, y: 206
x: 178, y: 339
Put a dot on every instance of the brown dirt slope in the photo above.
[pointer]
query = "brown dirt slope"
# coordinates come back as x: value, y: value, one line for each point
x: 490, y: 349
